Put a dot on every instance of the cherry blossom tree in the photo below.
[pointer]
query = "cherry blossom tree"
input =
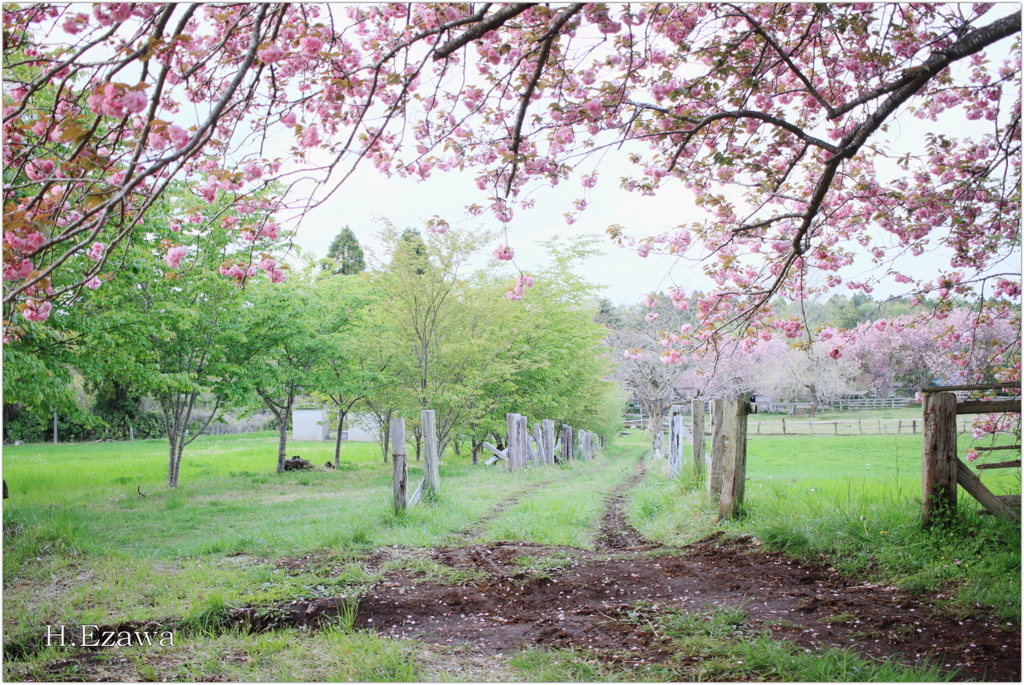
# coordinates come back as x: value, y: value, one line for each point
x: 775, y: 117
x: 649, y: 368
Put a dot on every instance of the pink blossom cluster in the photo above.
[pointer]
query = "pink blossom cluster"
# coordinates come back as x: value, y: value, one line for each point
x: 504, y: 253
x: 522, y: 283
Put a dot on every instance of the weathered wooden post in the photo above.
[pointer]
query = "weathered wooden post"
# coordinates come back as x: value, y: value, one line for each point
x: 401, y: 480
x: 717, y: 451
x: 697, y: 428
x: 566, y: 444
x: 734, y: 458
x: 581, y: 437
x: 430, y: 456
x: 523, y: 439
x: 548, y: 436
x: 512, y: 448
x: 675, y: 441
x: 938, y: 455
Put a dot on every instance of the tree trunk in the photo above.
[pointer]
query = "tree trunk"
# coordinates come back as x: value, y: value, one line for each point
x: 337, y: 442
x: 475, y: 446
x: 172, y: 472
x: 282, y: 425
x: 814, y: 400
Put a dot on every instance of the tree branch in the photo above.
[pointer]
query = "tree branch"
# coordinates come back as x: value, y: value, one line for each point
x: 914, y: 78
x: 494, y: 21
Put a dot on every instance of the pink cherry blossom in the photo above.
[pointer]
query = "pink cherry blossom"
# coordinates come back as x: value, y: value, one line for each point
x: 271, y: 54
x: 178, y: 135
x: 93, y: 283
x: 174, y: 256
x: 95, y: 253
x: 36, y: 311
x: 309, y: 45
x: 134, y: 101
x: 35, y: 241
x: 504, y: 253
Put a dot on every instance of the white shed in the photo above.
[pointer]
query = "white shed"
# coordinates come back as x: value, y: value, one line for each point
x: 310, y: 424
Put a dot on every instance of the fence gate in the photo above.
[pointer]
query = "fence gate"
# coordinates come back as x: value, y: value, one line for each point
x: 942, y: 468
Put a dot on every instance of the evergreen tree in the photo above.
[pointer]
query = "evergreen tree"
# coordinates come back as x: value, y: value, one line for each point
x: 345, y: 256
x: 412, y: 248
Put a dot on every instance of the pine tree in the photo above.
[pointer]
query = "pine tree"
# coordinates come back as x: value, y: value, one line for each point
x: 345, y: 256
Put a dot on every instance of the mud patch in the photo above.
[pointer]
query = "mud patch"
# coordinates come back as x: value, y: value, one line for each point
x: 587, y: 603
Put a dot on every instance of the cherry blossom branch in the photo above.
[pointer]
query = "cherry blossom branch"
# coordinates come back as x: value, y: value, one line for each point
x: 483, y: 26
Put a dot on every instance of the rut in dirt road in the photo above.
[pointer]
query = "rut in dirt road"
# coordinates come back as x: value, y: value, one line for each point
x: 615, y: 533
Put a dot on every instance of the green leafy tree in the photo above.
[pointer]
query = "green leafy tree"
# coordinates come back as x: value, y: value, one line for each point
x: 345, y: 255
x: 290, y: 332
x: 165, y: 325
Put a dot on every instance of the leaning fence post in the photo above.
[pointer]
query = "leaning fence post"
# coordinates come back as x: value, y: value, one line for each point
x: 938, y: 455
x: 430, y: 457
x: 734, y: 458
x: 401, y: 480
x: 566, y: 444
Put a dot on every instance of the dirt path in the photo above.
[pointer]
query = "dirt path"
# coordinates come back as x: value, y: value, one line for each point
x: 582, y: 599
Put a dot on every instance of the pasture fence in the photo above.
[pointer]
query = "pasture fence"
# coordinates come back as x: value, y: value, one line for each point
x: 539, y: 446
x: 943, y: 470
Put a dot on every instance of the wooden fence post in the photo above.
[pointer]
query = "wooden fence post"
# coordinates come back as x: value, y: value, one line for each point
x: 938, y: 455
x: 523, y: 439
x: 697, y: 426
x: 428, y: 425
x: 675, y: 441
x: 401, y: 480
x: 717, y: 451
x: 734, y: 458
x: 512, y: 450
x: 548, y: 435
x: 566, y: 444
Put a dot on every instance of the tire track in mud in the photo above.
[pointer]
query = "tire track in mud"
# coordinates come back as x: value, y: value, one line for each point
x: 614, y: 532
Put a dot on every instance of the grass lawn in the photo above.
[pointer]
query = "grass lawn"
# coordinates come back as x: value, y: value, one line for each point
x: 82, y: 546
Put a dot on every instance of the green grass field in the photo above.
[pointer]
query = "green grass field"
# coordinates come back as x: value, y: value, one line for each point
x: 81, y: 546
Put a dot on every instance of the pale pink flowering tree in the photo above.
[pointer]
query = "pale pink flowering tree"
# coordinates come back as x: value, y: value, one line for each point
x: 774, y: 116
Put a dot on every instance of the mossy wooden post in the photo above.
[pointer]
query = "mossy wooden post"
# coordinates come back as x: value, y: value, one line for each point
x: 401, y: 481
x: 675, y: 441
x: 734, y: 458
x: 697, y: 428
x: 938, y: 455
x: 566, y: 444
x: 717, y: 451
x: 428, y: 425
x: 548, y: 435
